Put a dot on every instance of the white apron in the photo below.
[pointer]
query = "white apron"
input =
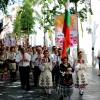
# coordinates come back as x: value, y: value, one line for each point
x: 80, y: 76
x: 45, y: 79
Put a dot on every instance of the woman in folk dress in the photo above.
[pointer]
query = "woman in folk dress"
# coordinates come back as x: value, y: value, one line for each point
x: 12, y: 64
x: 45, y: 80
x: 80, y: 73
x: 3, y: 64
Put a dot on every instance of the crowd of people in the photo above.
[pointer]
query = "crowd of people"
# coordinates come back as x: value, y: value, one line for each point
x: 46, y: 65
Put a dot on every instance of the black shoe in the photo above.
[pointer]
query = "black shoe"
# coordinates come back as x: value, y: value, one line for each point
x: 28, y: 89
x: 23, y: 87
x: 35, y: 85
x: 65, y: 95
x: 61, y: 98
x: 45, y: 93
x: 81, y: 93
x: 49, y: 95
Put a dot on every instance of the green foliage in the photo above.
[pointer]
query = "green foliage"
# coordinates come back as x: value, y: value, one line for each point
x: 3, y: 5
x: 24, y: 21
x: 82, y: 14
x: 28, y: 17
x: 48, y: 15
x: 47, y: 19
x: 17, y: 26
x: 27, y: 20
x: 63, y: 2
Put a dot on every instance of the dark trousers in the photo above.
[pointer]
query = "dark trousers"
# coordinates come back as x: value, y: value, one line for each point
x: 13, y: 75
x: 36, y: 74
x: 99, y: 66
x: 55, y: 74
x: 24, y: 76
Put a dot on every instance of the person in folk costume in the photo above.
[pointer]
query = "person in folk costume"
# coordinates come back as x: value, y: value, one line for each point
x: 3, y: 65
x: 36, y: 59
x: 52, y: 53
x: 45, y: 80
x: 12, y: 63
x: 55, y: 63
x: 33, y: 53
x: 30, y: 52
x: 65, y: 81
x: 7, y: 50
x: 44, y: 48
x: 23, y: 60
x: 80, y: 73
x: 34, y: 50
x: 58, y: 64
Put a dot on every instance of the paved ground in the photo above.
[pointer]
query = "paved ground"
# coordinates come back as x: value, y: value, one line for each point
x: 12, y: 90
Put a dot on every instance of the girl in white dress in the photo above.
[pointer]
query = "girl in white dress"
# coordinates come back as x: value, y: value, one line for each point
x: 80, y: 73
x: 45, y: 80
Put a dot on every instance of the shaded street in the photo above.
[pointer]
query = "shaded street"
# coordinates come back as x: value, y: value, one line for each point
x: 12, y: 90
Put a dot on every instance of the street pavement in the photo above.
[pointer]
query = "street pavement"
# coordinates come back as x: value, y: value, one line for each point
x: 12, y: 90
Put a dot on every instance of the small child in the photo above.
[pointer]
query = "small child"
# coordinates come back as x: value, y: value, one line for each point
x: 65, y: 88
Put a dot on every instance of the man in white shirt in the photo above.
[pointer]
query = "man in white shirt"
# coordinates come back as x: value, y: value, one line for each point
x: 54, y: 62
x: 36, y: 59
x: 24, y: 67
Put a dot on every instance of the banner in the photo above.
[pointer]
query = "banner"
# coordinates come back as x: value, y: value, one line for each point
x: 13, y: 39
x: 9, y: 40
x: 58, y: 22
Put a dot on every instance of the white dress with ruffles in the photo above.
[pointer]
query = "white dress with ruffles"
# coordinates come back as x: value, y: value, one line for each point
x: 45, y: 79
x: 80, y: 75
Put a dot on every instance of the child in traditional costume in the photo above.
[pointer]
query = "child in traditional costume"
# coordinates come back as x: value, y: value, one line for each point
x: 65, y: 82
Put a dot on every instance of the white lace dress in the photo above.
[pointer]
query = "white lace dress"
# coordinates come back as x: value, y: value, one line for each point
x: 45, y: 79
x: 80, y: 75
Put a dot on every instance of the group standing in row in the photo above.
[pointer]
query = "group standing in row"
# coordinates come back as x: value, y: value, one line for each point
x: 48, y: 67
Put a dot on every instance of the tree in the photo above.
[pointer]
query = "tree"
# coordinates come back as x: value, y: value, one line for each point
x: 24, y: 22
x: 46, y: 21
x: 49, y: 13
x: 17, y: 26
x: 27, y: 20
x: 82, y: 13
x: 3, y: 5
